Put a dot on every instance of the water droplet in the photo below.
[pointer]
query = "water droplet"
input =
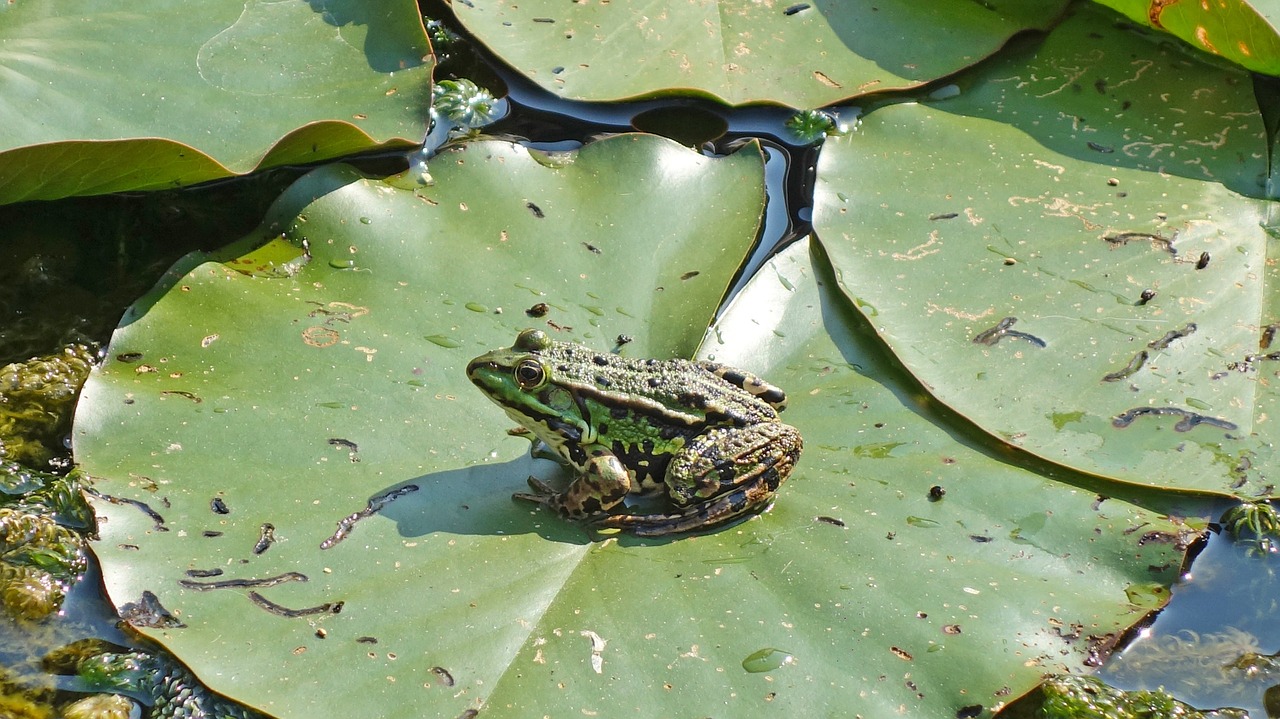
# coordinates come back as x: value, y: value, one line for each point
x: 365, y: 221
x: 945, y: 92
x: 766, y: 660
x: 551, y: 159
x: 342, y: 264
x: 786, y: 283
x: 414, y: 178
x: 446, y: 342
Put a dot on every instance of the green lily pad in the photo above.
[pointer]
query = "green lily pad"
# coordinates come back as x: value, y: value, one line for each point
x: 293, y: 391
x: 105, y: 96
x: 1242, y: 32
x: 803, y: 54
x: 1139, y: 277
x: 870, y: 580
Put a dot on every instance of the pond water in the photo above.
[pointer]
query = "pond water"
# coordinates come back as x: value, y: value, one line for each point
x: 1213, y: 645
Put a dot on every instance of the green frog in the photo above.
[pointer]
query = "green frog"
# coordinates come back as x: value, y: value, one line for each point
x: 704, y: 435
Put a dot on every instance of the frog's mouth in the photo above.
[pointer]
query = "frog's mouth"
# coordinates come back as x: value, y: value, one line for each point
x: 474, y: 370
x: 489, y: 376
x: 554, y: 426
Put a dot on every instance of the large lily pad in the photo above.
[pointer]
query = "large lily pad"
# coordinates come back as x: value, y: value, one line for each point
x: 855, y: 586
x: 104, y: 96
x: 1121, y: 245
x: 295, y: 397
x: 803, y: 55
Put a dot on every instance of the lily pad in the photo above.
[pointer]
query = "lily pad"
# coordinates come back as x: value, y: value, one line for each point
x: 871, y: 579
x: 1242, y: 32
x: 106, y: 96
x: 803, y: 54
x: 456, y: 597
x: 1139, y: 278
x: 293, y: 391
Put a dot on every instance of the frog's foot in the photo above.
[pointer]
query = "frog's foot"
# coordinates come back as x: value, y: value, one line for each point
x: 543, y: 493
x: 602, y: 485
x: 747, y: 499
x: 537, y: 448
x: 556, y: 501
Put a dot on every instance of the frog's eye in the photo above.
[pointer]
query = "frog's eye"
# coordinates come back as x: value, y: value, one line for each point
x: 529, y: 374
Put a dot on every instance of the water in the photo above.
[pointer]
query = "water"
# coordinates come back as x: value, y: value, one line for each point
x: 1209, y: 647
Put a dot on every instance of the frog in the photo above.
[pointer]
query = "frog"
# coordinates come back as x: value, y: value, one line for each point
x: 705, y: 436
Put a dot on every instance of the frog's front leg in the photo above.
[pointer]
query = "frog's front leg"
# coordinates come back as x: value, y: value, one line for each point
x: 537, y: 448
x: 602, y: 485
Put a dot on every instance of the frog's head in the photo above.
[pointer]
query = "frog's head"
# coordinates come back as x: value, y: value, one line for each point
x: 521, y: 380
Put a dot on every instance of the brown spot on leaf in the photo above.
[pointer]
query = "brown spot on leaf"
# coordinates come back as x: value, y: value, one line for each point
x: 1155, y: 9
x: 825, y: 80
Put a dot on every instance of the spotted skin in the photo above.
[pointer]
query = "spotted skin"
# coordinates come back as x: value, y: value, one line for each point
x: 724, y: 487
x: 704, y: 435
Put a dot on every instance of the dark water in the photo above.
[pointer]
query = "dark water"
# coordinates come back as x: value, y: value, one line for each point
x: 1207, y: 647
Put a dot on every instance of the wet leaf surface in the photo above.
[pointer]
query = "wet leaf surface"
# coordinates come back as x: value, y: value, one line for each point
x: 871, y: 579
x: 296, y: 394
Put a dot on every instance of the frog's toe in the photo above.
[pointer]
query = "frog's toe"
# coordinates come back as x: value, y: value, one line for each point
x: 543, y: 493
x: 541, y: 487
x: 726, y: 508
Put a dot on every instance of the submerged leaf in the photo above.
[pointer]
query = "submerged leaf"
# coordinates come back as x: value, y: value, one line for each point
x: 36, y: 401
x: 462, y: 103
x: 39, y: 560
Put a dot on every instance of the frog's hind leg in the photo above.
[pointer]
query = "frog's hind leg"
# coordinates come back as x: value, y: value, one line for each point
x: 725, y: 508
x: 742, y: 379
x: 723, y: 474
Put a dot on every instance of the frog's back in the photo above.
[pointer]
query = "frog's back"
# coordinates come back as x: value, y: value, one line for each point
x: 679, y: 390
